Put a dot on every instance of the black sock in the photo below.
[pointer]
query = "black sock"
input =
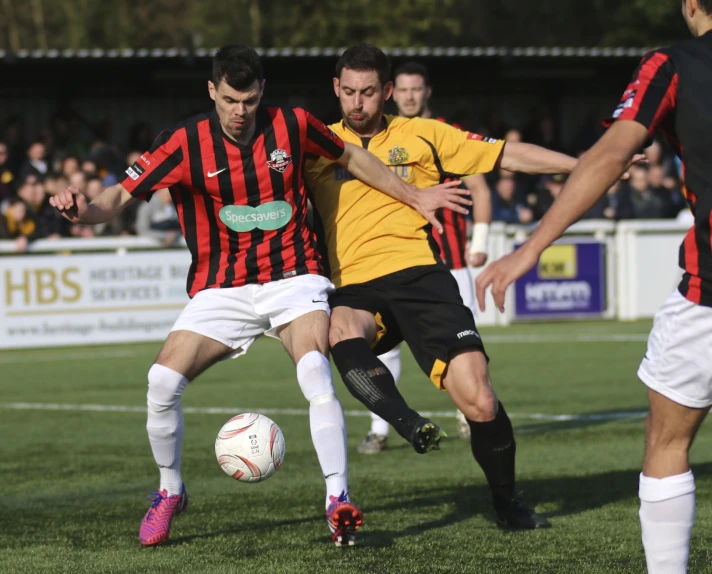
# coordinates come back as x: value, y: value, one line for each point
x: 493, y: 447
x: 370, y: 381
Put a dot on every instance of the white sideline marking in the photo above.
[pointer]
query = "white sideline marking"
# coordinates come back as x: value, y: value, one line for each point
x: 53, y: 356
x: 303, y: 412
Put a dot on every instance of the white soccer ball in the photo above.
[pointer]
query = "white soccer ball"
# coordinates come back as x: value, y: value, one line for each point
x: 250, y: 447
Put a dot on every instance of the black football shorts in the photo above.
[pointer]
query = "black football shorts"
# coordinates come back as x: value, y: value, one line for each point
x: 421, y: 306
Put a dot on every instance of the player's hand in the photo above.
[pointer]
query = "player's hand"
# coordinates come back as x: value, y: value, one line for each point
x: 71, y: 203
x: 638, y: 159
x: 444, y: 196
x: 476, y: 259
x: 501, y: 274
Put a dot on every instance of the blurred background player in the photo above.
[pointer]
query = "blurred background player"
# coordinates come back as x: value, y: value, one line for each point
x: 669, y: 92
x: 411, y: 93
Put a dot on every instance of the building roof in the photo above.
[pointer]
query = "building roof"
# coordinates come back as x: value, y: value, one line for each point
x: 476, y: 52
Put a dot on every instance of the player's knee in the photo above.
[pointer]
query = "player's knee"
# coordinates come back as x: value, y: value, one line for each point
x: 338, y: 332
x: 479, y: 403
x: 481, y: 407
x: 314, y: 376
x: 165, y: 387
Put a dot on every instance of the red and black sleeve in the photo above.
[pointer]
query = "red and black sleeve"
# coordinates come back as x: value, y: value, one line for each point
x: 651, y: 94
x: 159, y: 167
x: 320, y: 140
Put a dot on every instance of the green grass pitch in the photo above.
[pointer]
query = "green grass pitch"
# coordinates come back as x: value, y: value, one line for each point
x: 72, y: 481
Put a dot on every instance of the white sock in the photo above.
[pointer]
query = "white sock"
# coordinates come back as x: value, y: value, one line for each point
x: 165, y: 424
x: 392, y: 360
x: 667, y: 513
x: 326, y: 418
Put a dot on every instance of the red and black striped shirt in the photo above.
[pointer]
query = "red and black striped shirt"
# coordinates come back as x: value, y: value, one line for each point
x: 670, y: 91
x: 242, y: 208
x: 453, y: 240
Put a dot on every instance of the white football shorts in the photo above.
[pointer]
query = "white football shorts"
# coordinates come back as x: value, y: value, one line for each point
x: 678, y: 362
x: 467, y: 287
x: 237, y: 316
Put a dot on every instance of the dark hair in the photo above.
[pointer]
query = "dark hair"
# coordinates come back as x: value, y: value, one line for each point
x: 365, y: 57
x: 706, y: 6
x: 413, y: 69
x: 239, y: 66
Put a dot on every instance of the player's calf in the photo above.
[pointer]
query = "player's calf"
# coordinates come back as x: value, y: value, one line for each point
x: 368, y: 379
x: 326, y: 419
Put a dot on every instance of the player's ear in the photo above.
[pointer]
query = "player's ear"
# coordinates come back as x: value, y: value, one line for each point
x: 211, y: 90
x: 336, y: 86
x: 388, y: 91
x: 692, y: 7
x: 429, y: 91
x: 262, y: 88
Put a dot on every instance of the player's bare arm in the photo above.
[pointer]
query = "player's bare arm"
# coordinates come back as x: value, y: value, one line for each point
x: 368, y: 168
x: 597, y: 170
x: 482, y: 208
x: 74, y: 207
x: 530, y: 158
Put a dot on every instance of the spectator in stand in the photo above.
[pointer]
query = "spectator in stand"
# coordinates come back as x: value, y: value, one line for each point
x: 541, y: 199
x: 17, y: 223
x: 615, y: 205
x: 6, y: 176
x: 94, y: 187
x: 542, y: 130
x: 70, y: 166
x: 14, y: 129
x: 645, y: 204
x: 79, y: 180
x: 89, y: 168
x: 656, y: 155
x: 158, y: 218
x: 36, y: 163
x: 671, y: 200
x: 505, y: 206
x: 53, y: 184
x: 47, y: 224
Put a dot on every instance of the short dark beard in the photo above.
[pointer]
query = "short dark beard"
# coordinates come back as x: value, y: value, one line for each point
x: 366, y: 126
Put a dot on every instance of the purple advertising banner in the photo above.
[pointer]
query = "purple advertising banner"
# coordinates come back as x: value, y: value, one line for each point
x: 569, y: 281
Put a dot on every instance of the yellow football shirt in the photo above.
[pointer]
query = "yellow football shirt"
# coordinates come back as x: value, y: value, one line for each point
x: 369, y: 234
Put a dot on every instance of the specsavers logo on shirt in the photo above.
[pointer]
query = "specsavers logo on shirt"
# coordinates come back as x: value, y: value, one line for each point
x: 268, y: 216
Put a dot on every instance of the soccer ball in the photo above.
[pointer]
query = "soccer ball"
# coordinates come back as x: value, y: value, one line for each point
x: 250, y: 447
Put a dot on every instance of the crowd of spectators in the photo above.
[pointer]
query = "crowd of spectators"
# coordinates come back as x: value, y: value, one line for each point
x: 653, y: 190
x: 30, y: 172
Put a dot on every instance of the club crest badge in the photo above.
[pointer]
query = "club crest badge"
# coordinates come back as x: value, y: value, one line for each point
x: 397, y: 155
x: 279, y: 160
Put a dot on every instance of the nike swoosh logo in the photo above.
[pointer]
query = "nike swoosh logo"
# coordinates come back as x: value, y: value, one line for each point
x: 332, y: 474
x: 214, y: 173
x: 317, y: 301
